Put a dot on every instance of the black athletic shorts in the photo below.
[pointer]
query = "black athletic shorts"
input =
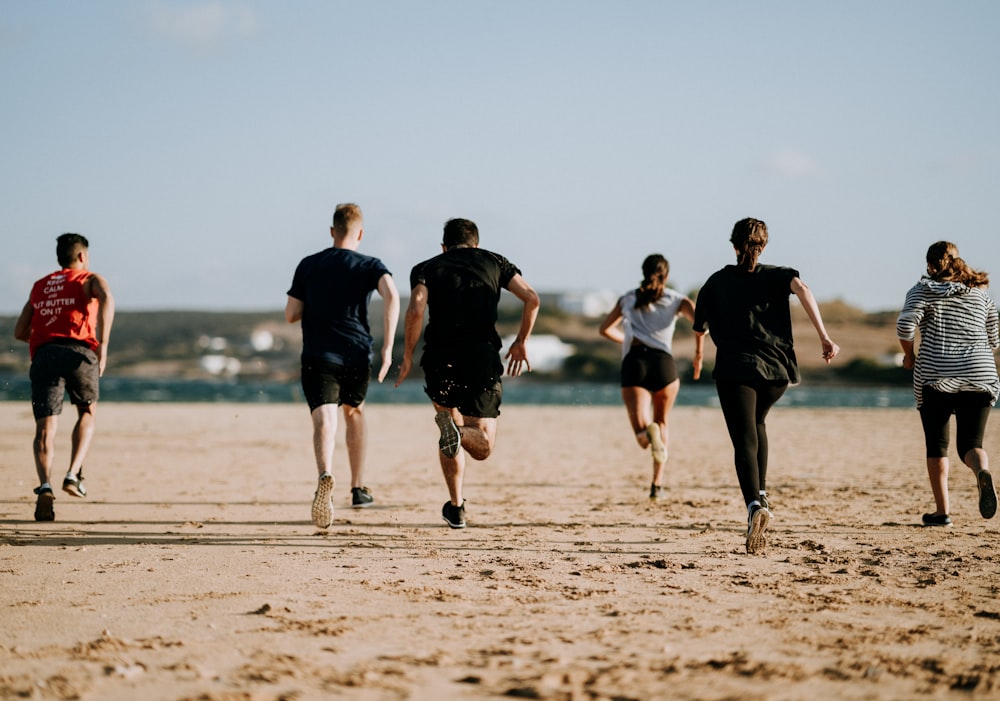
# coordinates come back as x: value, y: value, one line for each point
x: 330, y: 383
x: 467, y: 379
x: 59, y: 368
x: 649, y: 368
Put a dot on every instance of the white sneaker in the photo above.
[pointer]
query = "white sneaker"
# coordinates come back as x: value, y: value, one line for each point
x: 322, y: 508
x: 757, y: 523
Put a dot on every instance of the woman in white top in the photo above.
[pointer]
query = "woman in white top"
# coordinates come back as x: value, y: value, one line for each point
x: 643, y: 321
x: 955, y: 372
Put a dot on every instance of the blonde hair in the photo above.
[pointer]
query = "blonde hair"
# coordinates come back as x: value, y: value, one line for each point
x: 944, y: 265
x: 345, y: 216
x: 748, y: 238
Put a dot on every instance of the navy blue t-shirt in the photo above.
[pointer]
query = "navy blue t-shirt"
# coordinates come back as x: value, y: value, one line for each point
x: 335, y: 286
x: 749, y: 320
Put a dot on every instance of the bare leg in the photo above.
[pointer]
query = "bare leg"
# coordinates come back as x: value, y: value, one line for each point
x: 356, y: 435
x: 663, y: 402
x: 43, y: 447
x: 977, y: 460
x: 637, y: 402
x: 478, y: 437
x: 937, y: 471
x: 83, y: 434
x: 324, y: 418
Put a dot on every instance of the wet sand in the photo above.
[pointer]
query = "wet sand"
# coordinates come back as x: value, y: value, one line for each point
x: 192, y: 570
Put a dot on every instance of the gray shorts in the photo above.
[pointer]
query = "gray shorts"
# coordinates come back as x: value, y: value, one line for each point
x: 58, y: 368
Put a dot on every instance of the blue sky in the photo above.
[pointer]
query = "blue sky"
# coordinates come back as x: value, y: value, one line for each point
x: 202, y: 146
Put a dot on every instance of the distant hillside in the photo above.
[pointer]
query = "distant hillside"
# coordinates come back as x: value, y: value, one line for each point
x: 261, y: 345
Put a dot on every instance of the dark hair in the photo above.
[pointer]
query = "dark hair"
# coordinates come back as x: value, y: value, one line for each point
x: 944, y: 265
x: 344, y: 216
x: 67, y: 246
x: 460, y: 232
x: 655, y: 270
x: 749, y: 238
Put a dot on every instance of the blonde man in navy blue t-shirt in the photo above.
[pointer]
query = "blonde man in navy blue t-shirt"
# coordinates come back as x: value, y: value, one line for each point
x: 329, y: 295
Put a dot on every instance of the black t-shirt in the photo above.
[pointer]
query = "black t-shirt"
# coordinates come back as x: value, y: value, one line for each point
x: 335, y: 286
x: 463, y: 290
x: 748, y: 317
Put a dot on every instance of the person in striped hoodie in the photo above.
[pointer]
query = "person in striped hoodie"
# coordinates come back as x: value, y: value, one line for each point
x: 955, y: 372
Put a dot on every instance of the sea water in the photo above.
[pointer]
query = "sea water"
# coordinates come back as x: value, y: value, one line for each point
x: 516, y: 391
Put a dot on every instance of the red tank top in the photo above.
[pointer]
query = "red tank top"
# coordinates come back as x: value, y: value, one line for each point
x: 62, y: 310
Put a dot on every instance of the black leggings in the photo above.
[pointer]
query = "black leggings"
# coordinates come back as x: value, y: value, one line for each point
x: 745, y: 408
x: 971, y: 410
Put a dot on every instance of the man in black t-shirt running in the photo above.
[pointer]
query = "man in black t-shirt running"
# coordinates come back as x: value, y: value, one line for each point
x: 460, y: 289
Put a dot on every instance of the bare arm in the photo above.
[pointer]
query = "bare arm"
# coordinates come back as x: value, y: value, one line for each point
x: 22, y: 329
x: 390, y: 319
x: 699, y: 352
x: 293, y: 309
x: 909, y: 356
x: 413, y: 325
x: 105, y: 317
x: 518, y: 351
x: 805, y: 295
x: 611, y: 327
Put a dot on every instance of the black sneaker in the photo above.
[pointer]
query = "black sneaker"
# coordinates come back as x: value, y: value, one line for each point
x: 361, y: 497
x: 937, y: 520
x: 757, y: 522
x: 451, y: 437
x: 987, y: 494
x: 44, y: 506
x: 657, y: 492
x: 74, y: 485
x: 453, y: 515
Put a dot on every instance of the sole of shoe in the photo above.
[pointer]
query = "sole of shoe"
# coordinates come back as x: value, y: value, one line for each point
x: 322, y: 506
x: 45, y: 507
x: 757, y: 531
x: 987, y: 494
x: 656, y: 443
x: 451, y: 437
x: 75, y: 489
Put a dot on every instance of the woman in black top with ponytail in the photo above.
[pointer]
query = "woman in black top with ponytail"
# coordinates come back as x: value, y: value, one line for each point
x: 745, y: 309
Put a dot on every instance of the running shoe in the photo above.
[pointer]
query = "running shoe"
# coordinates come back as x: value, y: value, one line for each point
x: 74, y: 485
x: 44, y: 506
x: 656, y: 442
x: 322, y: 507
x: 757, y: 522
x: 361, y: 497
x: 657, y: 492
x: 453, y: 515
x: 987, y: 494
x: 762, y: 498
x: 937, y: 520
x: 451, y: 437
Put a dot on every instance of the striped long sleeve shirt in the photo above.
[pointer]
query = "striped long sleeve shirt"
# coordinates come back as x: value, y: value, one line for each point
x: 958, y: 332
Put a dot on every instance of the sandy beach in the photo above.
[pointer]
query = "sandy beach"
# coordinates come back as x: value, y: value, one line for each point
x: 192, y: 571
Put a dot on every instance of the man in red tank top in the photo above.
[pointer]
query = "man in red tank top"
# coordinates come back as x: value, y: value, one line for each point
x: 66, y: 323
